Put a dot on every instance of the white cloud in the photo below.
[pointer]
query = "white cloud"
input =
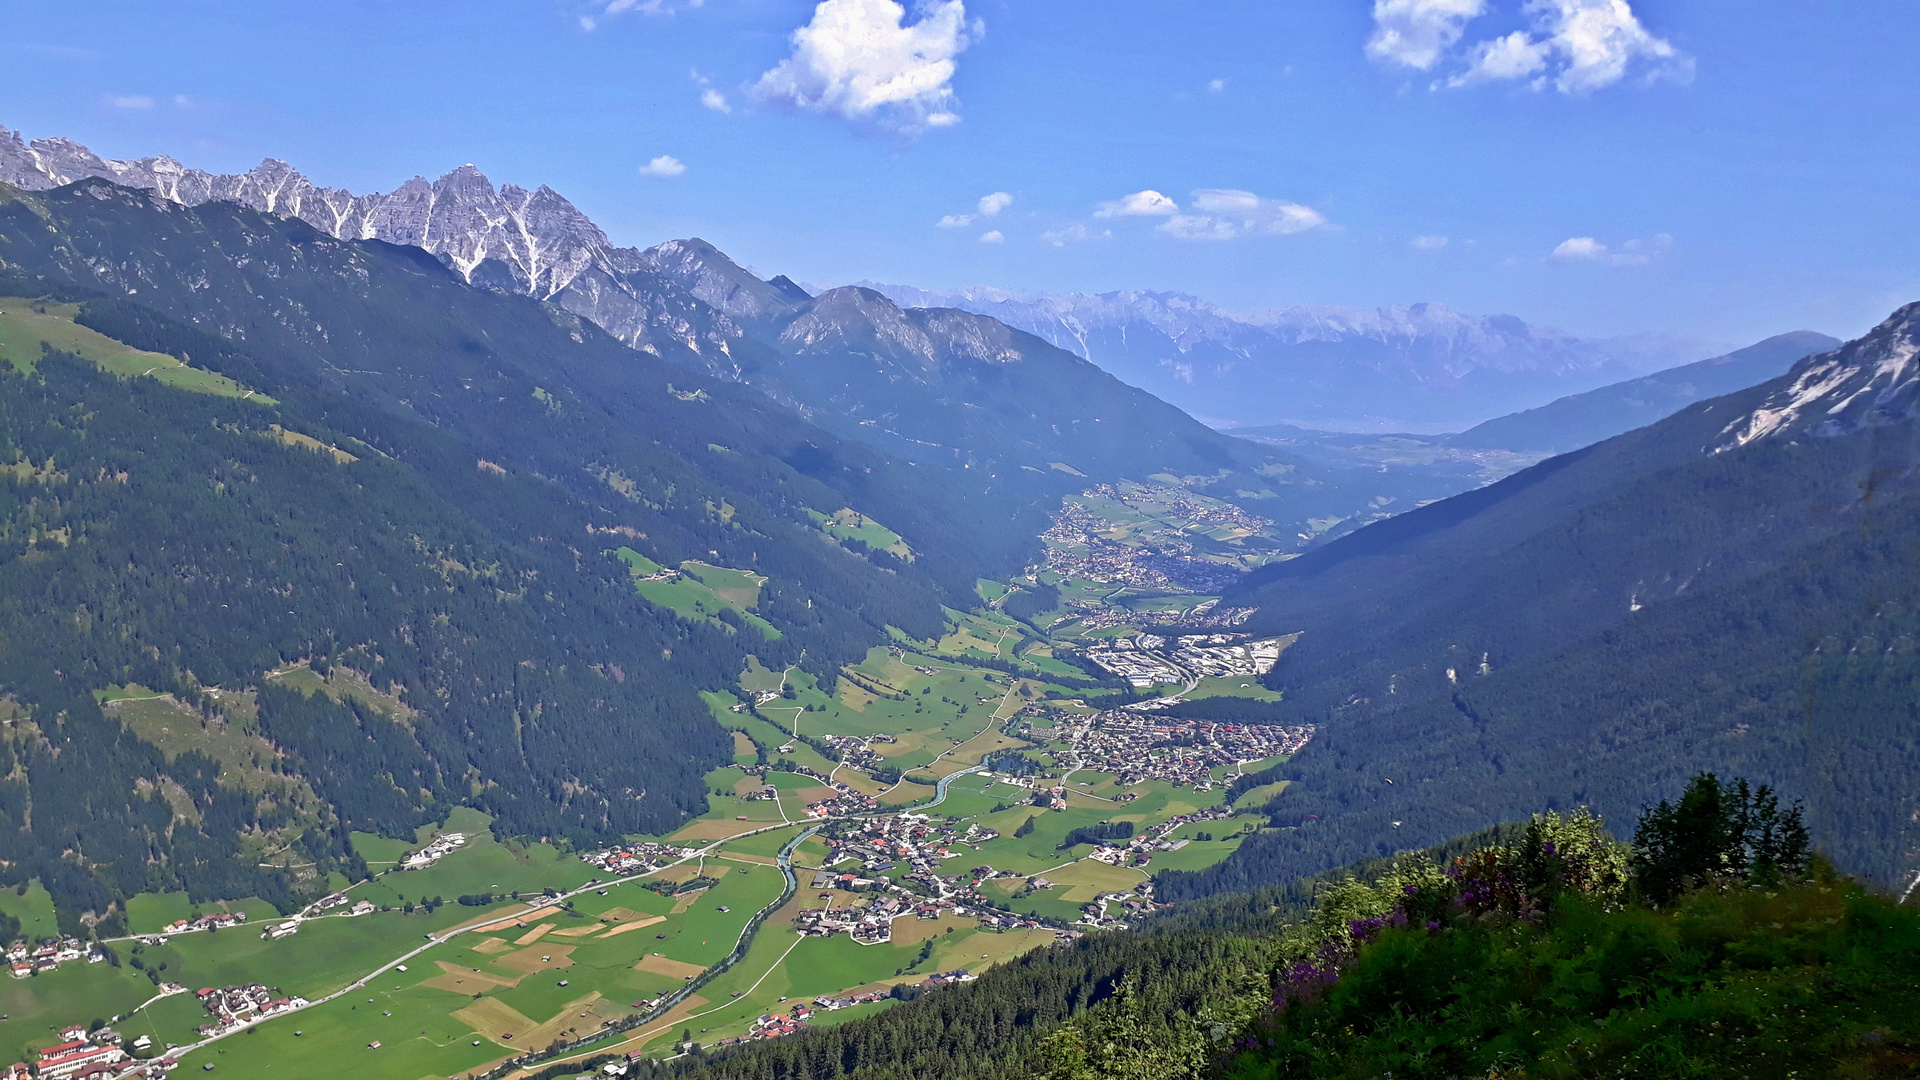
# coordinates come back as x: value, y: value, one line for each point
x: 1598, y: 39
x: 1631, y: 253
x: 861, y: 60
x: 1642, y: 252
x: 1075, y: 233
x: 1223, y: 214
x: 992, y: 236
x: 1416, y: 33
x: 1576, y: 248
x: 988, y: 206
x: 645, y: 7
x: 131, y: 101
x: 1217, y: 85
x: 664, y: 167
x: 1198, y: 227
x: 1428, y: 243
x: 1147, y: 203
x: 715, y: 100
x: 1574, y: 46
x: 1215, y: 214
x: 1514, y: 56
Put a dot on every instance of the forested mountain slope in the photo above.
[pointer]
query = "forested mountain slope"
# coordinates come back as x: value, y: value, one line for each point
x: 1731, y: 587
x: 417, y: 482
x: 1583, y: 419
x: 950, y: 387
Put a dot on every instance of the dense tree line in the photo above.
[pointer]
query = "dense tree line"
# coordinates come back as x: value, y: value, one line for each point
x: 1094, y: 834
x: 1230, y: 710
x: 1029, y: 601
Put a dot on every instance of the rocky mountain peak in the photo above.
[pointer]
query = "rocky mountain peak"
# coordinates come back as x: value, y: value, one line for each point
x: 860, y: 320
x: 1872, y: 380
x: 533, y: 242
x: 707, y: 273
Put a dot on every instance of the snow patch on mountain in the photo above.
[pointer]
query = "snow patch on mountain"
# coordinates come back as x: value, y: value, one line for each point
x: 1872, y: 380
x: 534, y: 242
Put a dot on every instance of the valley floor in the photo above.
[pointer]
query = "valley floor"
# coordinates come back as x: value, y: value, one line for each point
x: 858, y: 842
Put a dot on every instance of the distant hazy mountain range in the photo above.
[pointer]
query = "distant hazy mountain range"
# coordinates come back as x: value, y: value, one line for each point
x: 1584, y: 419
x: 1508, y: 443
x: 1424, y: 367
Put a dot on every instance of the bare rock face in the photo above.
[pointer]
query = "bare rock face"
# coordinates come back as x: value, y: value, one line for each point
x: 707, y: 273
x: 1871, y: 381
x: 532, y: 242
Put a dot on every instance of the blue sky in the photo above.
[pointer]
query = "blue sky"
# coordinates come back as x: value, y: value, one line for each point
x: 1716, y: 168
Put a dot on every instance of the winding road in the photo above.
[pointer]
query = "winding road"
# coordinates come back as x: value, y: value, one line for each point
x: 790, y: 885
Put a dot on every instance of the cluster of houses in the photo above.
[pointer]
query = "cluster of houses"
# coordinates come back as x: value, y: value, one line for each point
x: 871, y: 923
x: 834, y: 1004
x: 99, y: 1054
x: 1079, y: 543
x: 1148, y: 660
x: 880, y: 844
x: 337, y: 900
x: 328, y: 903
x: 1133, y: 905
x: 29, y: 959
x: 1138, y: 851
x: 87, y: 1056
x: 774, y: 1025
x: 441, y: 846
x: 635, y: 858
x: 219, y: 920
x: 856, y: 752
x: 1006, y: 920
x: 844, y: 802
x: 237, y: 1006
x: 1138, y: 746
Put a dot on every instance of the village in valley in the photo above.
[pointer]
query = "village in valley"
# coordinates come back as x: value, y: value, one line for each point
x: 938, y: 808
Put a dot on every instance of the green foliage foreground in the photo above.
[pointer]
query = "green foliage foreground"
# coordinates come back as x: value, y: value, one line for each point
x: 1548, y: 957
x: 1810, y: 979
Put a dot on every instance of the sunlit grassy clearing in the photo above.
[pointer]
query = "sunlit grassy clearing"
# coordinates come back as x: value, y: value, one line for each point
x: 26, y: 324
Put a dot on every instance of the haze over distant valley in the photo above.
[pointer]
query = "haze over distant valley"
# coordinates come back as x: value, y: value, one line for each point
x: 1421, y: 368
